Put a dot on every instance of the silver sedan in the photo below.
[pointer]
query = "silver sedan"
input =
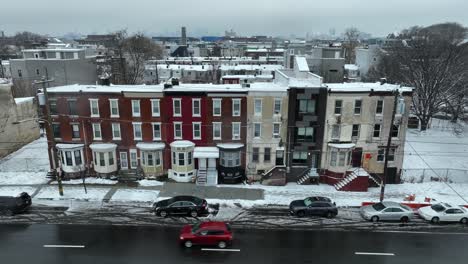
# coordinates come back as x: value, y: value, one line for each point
x: 387, y: 211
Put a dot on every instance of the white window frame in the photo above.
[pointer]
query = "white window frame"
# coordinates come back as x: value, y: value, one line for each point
x: 199, y: 107
x: 383, y: 107
x: 194, y: 124
x: 398, y: 131
x: 120, y: 132
x: 94, y: 131
x: 155, y: 102
x: 276, y: 135
x: 136, y: 103
x: 280, y: 106
x: 234, y: 102
x: 160, y: 130
x: 217, y: 100
x: 336, y: 107
x: 91, y: 101
x: 73, y: 130
x: 175, y: 130
x: 174, y: 100
x: 360, y: 107
x: 259, y: 126
x: 238, y: 125
x: 255, y: 106
x: 380, y: 130
x: 137, y: 124
x: 131, y: 160
x: 116, y: 101
x: 217, y: 124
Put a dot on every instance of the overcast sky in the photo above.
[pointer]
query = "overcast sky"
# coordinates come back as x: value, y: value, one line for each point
x: 212, y: 17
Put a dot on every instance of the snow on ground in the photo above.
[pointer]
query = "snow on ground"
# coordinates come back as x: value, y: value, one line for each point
x: 149, y: 183
x: 51, y: 192
x: 28, y: 165
x: 88, y: 180
x: 135, y: 195
x: 20, y: 100
x: 15, y: 190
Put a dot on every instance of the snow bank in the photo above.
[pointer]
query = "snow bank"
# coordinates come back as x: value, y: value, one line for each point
x: 21, y: 100
x: 88, y: 181
x: 135, y: 195
x: 15, y: 190
x: 149, y: 183
x: 51, y: 192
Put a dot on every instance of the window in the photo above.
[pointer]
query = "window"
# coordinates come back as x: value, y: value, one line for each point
x: 335, y: 132
x: 189, y: 161
x: 133, y: 159
x: 307, y: 106
x: 255, y: 154
x: 357, y: 107
x: 338, y: 106
x: 68, y: 158
x: 391, y: 154
x: 102, y: 161
x: 156, y: 131
x: 38, y: 72
x: 95, y: 157
x: 20, y: 73
x: 137, y: 134
x: 379, y: 108
x: 217, y: 130
x: 150, y: 161
x: 276, y: 130
x: 333, y: 157
x: 230, y: 159
x: 72, y: 110
x: 381, y: 154
x: 136, y: 108
x: 116, y: 135
x: 53, y: 107
x: 196, y: 126
x: 78, y: 159
x: 158, y: 158
x: 338, y: 158
x: 401, y: 106
x: 355, y: 132
x: 395, y: 131
x: 236, y: 107
x: 376, y: 130
x: 300, y: 157
x: 75, y: 131
x: 155, y: 108
x: 114, y: 107
x: 196, y: 105
x: 97, y: 131
x: 177, y: 130
x: 174, y: 161
x: 236, y: 131
x: 305, y: 133
x: 341, y: 158
x: 93, y: 104
x: 257, y: 130
x: 123, y: 160
x: 216, y: 107
x: 258, y: 107
x: 267, y: 155
x: 111, y: 158
x: 181, y: 159
x: 177, y: 107
x: 277, y: 106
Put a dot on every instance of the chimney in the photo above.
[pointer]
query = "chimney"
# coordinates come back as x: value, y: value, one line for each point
x: 183, y: 39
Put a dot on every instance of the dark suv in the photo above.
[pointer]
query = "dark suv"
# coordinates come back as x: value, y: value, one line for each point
x: 313, y: 207
x: 13, y: 205
x: 181, y: 205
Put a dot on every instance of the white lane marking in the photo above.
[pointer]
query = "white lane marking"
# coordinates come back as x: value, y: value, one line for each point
x: 374, y: 254
x: 64, y: 246
x: 421, y: 232
x: 221, y: 249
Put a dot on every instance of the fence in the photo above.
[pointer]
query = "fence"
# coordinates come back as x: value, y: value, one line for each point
x: 441, y: 174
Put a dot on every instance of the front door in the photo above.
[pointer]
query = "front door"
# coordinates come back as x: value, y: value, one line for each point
x: 280, y: 157
x: 202, y: 163
x: 123, y: 161
x: 391, y: 175
x: 212, y: 163
x: 356, y: 158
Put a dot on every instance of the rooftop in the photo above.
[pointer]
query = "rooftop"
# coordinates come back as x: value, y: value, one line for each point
x: 366, y: 87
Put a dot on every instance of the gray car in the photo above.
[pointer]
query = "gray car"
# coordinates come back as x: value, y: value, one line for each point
x: 387, y: 211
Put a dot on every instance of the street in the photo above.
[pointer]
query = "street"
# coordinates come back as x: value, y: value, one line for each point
x: 125, y: 244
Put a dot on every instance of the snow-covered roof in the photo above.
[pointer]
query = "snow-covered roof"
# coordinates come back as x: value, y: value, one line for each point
x: 175, y: 67
x: 302, y: 64
x: 182, y: 144
x: 69, y: 146
x: 150, y: 146
x: 366, y: 87
x: 54, y: 50
x: 265, y: 76
x: 206, y: 152
x: 351, y: 67
x: 360, y: 172
x: 253, y: 67
x: 206, y: 87
x: 230, y: 145
x: 21, y: 100
x: 100, y: 147
x: 264, y: 50
x: 267, y: 87
x: 75, y: 88
x: 342, y: 145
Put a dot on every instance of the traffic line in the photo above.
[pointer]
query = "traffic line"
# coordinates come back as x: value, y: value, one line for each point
x: 221, y: 249
x: 64, y: 246
x: 374, y: 254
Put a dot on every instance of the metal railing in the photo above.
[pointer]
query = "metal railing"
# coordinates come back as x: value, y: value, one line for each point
x: 440, y: 174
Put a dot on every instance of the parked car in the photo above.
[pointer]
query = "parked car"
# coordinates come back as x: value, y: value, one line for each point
x: 206, y: 234
x: 313, y: 206
x: 10, y: 205
x: 181, y: 205
x: 444, y: 212
x: 387, y: 211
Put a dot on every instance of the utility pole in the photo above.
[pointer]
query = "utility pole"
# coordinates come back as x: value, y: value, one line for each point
x: 387, y: 148
x: 45, y: 81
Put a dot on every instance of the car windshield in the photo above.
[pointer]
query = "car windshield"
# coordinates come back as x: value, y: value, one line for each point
x: 378, y: 206
x: 438, y: 207
x: 307, y: 201
x: 195, y: 227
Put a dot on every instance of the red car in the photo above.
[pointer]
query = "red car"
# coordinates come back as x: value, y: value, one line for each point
x: 206, y: 234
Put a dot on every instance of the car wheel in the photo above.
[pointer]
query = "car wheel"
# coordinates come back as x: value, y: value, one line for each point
x: 404, y: 219
x: 163, y: 213
x: 301, y: 213
x: 330, y: 215
x: 193, y: 213
x: 464, y: 220
x: 188, y: 244
x: 435, y: 220
x: 222, y: 244
x: 374, y: 218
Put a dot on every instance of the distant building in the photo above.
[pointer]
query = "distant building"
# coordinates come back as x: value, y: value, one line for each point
x: 327, y: 62
x: 367, y: 58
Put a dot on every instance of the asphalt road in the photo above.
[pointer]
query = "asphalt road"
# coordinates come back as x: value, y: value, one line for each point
x: 36, y: 244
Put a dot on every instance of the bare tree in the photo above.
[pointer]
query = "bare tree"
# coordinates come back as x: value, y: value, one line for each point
x: 351, y: 42
x: 432, y: 61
